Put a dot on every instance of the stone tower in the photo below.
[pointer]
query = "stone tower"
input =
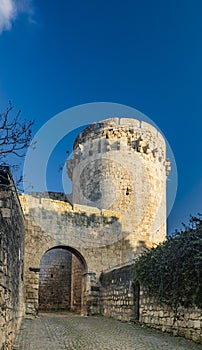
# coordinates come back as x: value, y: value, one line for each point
x: 120, y: 165
x: 118, y: 170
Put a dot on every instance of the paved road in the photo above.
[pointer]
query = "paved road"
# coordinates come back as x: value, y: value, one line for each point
x: 73, y: 332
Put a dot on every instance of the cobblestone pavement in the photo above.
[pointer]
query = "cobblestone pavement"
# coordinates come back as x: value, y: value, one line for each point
x: 74, y: 332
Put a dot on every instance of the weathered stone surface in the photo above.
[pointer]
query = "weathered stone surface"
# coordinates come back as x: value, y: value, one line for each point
x: 55, y: 280
x: 12, y: 232
x: 187, y: 322
x: 119, y: 176
x: 117, y: 210
x: 117, y: 294
x: 121, y: 165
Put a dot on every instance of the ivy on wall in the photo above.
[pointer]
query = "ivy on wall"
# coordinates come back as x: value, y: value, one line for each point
x: 172, y: 272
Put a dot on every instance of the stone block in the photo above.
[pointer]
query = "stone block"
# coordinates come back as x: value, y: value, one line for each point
x: 197, y: 324
x: 130, y: 122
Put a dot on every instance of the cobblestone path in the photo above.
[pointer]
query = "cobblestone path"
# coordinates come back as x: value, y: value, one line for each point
x: 73, y: 332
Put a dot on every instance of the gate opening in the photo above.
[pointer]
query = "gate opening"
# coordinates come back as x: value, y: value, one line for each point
x: 60, y: 280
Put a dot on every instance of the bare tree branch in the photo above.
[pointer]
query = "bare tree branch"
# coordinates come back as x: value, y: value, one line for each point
x: 15, y: 137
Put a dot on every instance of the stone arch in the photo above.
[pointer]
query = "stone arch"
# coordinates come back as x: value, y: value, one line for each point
x: 61, y: 279
x: 73, y: 251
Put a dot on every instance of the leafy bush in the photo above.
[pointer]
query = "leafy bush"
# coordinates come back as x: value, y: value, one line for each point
x: 172, y: 272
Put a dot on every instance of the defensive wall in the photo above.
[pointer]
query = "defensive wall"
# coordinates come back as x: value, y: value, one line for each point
x: 12, y: 231
x: 78, y: 250
x: 118, y: 208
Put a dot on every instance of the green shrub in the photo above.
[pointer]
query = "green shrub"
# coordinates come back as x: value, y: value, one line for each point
x: 172, y: 272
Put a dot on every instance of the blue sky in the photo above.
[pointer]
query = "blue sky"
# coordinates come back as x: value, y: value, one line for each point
x: 145, y: 54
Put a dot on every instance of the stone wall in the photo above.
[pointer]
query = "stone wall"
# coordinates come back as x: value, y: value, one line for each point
x: 118, y: 206
x: 55, y: 280
x: 186, y: 323
x: 121, y: 165
x: 31, y: 281
x: 93, y: 235
x: 117, y: 294
x: 90, y: 295
x: 12, y: 232
x: 122, y: 300
x: 76, y: 284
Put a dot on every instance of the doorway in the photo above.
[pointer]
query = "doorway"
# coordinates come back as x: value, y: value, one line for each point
x: 60, y: 280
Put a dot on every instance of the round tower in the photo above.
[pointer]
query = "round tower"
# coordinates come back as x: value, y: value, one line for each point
x: 120, y: 165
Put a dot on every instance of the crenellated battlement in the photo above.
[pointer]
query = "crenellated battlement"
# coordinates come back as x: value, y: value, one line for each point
x: 117, y: 134
x: 121, y: 128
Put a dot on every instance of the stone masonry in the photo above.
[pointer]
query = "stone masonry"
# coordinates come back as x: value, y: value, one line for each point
x: 60, y: 281
x: 55, y: 280
x: 118, y: 208
x: 79, y: 248
x: 122, y: 300
x: 186, y: 322
x: 117, y: 294
x: 12, y: 231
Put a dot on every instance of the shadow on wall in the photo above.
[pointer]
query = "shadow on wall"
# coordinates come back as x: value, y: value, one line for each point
x: 119, y: 296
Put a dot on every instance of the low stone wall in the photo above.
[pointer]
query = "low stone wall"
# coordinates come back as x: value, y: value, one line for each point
x: 122, y: 300
x: 187, y: 323
x: 11, y: 261
x: 117, y: 297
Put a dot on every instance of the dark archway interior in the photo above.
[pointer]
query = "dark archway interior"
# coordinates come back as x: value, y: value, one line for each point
x: 60, y: 280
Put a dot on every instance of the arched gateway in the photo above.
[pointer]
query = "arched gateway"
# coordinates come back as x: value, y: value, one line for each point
x: 119, y: 170
x: 61, y: 279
